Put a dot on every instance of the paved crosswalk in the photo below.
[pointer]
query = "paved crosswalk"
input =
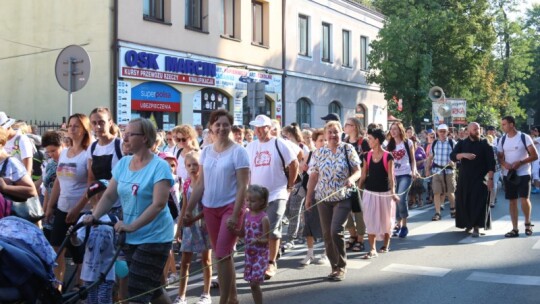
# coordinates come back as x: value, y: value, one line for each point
x: 421, y: 231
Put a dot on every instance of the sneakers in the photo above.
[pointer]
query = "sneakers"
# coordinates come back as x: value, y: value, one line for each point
x: 403, y: 232
x: 307, y: 260
x: 270, y: 270
x: 173, y: 278
x: 180, y: 301
x: 535, y: 191
x: 289, y: 245
x: 396, y: 230
x: 205, y: 299
x: 322, y: 260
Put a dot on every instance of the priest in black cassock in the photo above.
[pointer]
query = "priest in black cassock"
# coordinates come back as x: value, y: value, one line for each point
x: 475, y: 180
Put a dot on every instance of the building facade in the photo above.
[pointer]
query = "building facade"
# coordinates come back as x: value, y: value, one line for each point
x: 179, y: 60
x: 326, y: 43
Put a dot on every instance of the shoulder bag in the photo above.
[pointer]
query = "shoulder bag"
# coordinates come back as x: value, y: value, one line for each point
x: 354, y: 192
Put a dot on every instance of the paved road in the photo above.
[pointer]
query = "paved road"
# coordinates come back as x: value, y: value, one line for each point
x: 436, y: 263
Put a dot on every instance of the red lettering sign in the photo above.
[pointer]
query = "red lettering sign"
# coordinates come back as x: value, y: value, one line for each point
x: 152, y: 106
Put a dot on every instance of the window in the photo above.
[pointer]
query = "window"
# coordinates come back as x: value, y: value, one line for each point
x: 326, y: 42
x: 303, y: 111
x: 303, y: 35
x: 364, y: 65
x: 231, y: 18
x: 334, y: 107
x: 197, y: 15
x: 346, y: 48
x: 360, y: 113
x: 153, y: 9
x: 258, y: 23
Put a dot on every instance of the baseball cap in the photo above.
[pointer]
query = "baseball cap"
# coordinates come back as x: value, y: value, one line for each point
x: 331, y: 117
x: 167, y: 155
x: 442, y: 127
x: 97, y: 187
x: 6, y: 122
x: 261, y: 121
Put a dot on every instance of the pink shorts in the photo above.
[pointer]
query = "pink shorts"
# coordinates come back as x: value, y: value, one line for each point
x: 221, y: 238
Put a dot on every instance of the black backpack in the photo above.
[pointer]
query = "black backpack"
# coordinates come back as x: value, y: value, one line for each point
x: 37, y: 159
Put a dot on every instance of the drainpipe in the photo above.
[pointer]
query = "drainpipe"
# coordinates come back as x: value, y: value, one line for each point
x: 283, y: 58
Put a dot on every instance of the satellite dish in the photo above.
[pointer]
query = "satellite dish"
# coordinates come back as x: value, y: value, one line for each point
x: 444, y: 110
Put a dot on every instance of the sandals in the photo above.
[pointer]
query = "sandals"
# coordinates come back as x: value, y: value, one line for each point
x: 453, y: 212
x: 350, y: 243
x: 357, y: 247
x: 528, y: 229
x: 512, y: 233
x: 436, y: 217
x: 384, y: 249
x: 370, y: 255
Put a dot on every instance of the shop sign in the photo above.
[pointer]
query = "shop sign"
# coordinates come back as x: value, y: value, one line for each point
x: 155, y: 97
x: 160, y: 67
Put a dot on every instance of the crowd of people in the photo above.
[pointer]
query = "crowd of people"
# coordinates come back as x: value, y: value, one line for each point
x: 206, y: 189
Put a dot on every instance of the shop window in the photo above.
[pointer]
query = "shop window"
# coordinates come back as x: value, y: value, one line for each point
x: 360, y: 113
x: 259, y: 14
x: 153, y: 10
x: 197, y: 15
x: 157, y: 101
x: 303, y: 111
x: 303, y: 35
x: 206, y: 101
x: 335, y: 107
x: 326, y: 50
x: 231, y: 18
x: 251, y: 110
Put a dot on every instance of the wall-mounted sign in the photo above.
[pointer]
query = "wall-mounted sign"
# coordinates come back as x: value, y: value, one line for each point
x: 123, y: 102
x: 161, y: 67
x: 155, y: 96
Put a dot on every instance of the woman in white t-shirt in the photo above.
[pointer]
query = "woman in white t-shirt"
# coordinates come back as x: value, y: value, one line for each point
x: 14, y: 180
x: 224, y: 177
x: 402, y: 150
x: 67, y: 199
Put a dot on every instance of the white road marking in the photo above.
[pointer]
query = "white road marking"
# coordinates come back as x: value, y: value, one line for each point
x: 356, y: 264
x: 430, y: 229
x: 490, y: 237
x: 504, y: 278
x: 537, y: 245
x: 419, y: 270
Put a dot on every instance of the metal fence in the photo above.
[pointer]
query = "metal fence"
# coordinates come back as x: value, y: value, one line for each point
x: 44, y: 126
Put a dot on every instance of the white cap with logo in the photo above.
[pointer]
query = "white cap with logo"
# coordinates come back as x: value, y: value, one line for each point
x: 261, y: 121
x: 442, y: 127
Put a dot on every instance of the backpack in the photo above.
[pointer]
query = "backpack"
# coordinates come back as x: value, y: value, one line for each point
x: 385, y: 160
x: 178, y: 153
x: 503, y: 139
x: 37, y: 158
x: 117, y: 148
x: 436, y: 140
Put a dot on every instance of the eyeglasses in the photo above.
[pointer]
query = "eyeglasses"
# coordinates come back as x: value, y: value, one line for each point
x: 127, y: 134
x: 182, y: 139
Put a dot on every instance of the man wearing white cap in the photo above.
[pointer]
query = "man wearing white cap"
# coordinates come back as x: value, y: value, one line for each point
x: 443, y: 182
x: 18, y: 145
x: 268, y: 157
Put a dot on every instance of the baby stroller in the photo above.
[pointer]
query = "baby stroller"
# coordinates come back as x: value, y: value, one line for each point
x: 26, y: 264
x: 27, y: 261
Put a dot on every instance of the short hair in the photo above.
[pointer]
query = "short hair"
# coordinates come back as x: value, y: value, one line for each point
x: 52, y: 138
x: 316, y: 133
x: 378, y: 134
x: 148, y: 129
x: 510, y: 119
x: 215, y: 115
x: 237, y: 129
x: 333, y: 123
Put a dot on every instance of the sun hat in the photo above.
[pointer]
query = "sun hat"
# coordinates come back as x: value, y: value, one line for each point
x: 5, y: 121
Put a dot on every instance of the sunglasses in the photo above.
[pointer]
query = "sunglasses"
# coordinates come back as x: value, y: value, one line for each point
x: 181, y: 139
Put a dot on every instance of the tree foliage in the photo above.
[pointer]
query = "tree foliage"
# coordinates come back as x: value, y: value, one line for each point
x: 470, y: 48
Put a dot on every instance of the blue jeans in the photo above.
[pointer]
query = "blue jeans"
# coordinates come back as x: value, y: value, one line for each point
x: 403, y: 182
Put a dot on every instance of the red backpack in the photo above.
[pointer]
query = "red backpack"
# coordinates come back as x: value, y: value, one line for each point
x: 385, y: 160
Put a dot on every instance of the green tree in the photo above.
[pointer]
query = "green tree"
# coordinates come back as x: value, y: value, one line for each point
x: 430, y: 42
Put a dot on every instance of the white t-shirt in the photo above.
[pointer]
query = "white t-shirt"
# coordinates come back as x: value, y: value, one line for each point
x: 108, y: 149
x: 181, y: 170
x: 170, y: 149
x: 514, y: 150
x: 220, y: 183
x: 267, y: 168
x: 72, y: 174
x: 15, y: 170
x: 402, y: 164
x: 26, y: 147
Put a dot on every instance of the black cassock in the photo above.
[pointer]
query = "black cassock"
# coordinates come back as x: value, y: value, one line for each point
x: 472, y: 205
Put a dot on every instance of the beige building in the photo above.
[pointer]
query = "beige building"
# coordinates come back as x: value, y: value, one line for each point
x: 179, y: 60
x: 33, y: 33
x: 174, y: 61
x: 327, y: 42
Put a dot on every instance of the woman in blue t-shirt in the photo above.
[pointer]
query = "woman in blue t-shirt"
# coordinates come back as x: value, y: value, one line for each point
x: 142, y: 181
